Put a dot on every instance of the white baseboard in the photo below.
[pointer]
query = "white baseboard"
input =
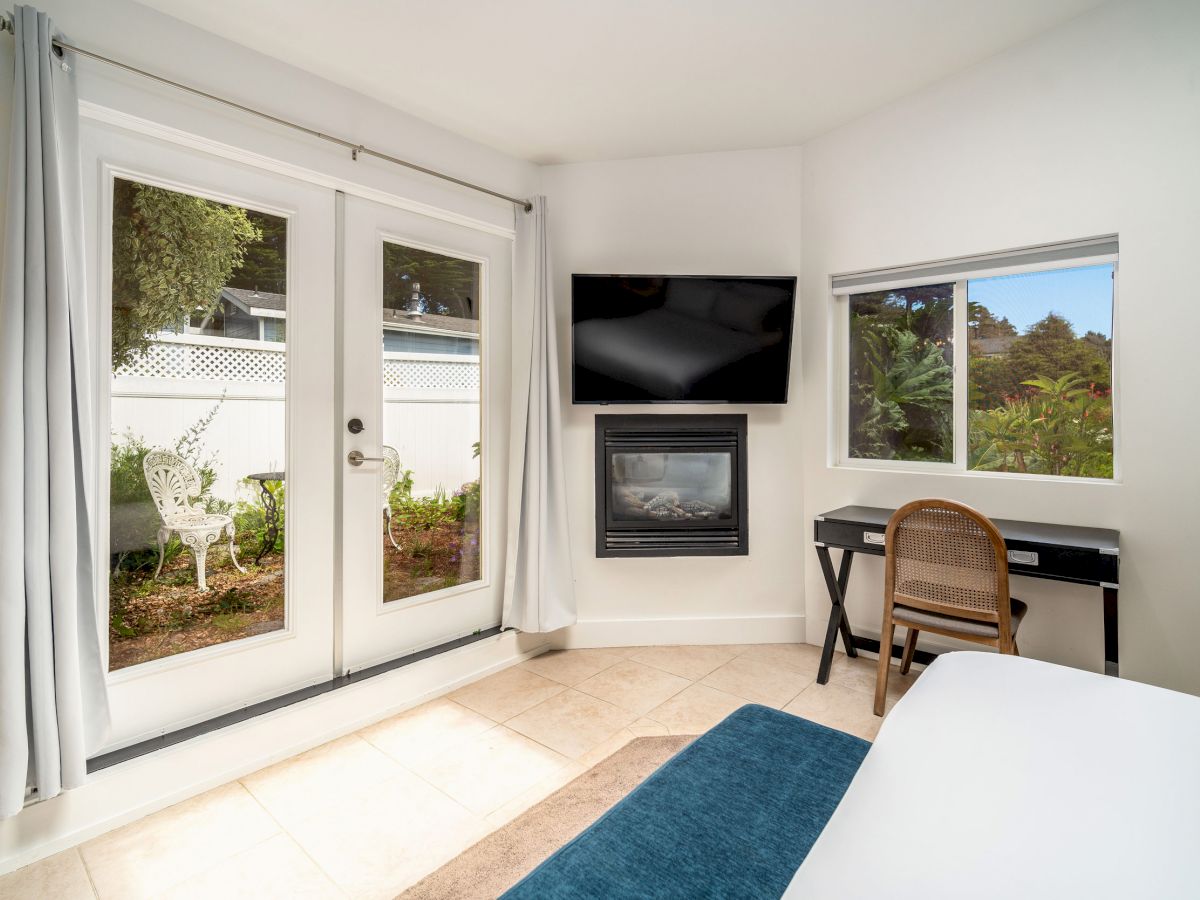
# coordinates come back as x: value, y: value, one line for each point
x: 131, y: 790
x: 716, y: 630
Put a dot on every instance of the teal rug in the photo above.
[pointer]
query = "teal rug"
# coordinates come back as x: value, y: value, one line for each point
x: 732, y: 816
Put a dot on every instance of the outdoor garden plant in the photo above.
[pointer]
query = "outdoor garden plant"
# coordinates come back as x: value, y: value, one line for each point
x: 1043, y: 406
x: 150, y: 618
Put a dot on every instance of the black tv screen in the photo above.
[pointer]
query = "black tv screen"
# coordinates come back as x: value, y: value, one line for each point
x: 680, y: 338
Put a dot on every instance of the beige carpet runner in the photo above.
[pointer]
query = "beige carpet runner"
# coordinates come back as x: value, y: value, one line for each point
x: 507, y: 855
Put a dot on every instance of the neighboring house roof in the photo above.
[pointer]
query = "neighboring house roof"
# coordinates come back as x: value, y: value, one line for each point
x: 267, y: 305
x: 994, y: 346
x: 397, y: 318
x: 256, y: 303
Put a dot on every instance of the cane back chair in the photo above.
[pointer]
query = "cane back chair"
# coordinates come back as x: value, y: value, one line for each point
x: 946, y: 572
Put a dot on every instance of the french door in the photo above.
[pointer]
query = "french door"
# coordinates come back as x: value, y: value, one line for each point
x: 216, y: 289
x: 246, y: 320
x: 425, y: 404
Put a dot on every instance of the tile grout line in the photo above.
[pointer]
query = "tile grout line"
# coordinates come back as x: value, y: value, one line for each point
x: 78, y: 848
x: 646, y: 715
x: 423, y: 779
x: 677, y: 675
x: 617, y: 661
x: 284, y: 831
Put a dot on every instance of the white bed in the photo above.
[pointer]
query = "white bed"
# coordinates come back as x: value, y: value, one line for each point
x: 1005, y: 777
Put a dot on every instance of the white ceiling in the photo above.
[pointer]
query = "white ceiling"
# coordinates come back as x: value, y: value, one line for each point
x: 568, y: 80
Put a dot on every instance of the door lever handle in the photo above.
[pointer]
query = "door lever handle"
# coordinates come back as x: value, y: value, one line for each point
x: 356, y: 458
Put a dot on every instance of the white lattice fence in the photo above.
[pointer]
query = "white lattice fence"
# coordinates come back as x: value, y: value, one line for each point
x: 210, y: 362
x: 195, y: 358
x: 430, y: 408
x: 430, y: 374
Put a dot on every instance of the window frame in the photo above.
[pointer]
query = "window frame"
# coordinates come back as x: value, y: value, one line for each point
x: 839, y: 418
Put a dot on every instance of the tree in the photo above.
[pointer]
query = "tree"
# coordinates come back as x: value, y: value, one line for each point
x: 450, y: 287
x: 926, y: 310
x: 1101, y: 342
x: 984, y: 324
x: 264, y: 266
x: 1048, y: 349
x: 172, y: 254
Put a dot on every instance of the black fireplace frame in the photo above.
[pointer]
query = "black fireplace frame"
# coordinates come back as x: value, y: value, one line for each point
x: 664, y: 433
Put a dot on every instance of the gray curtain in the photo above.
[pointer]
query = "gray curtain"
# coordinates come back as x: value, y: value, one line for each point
x: 53, y: 703
x: 539, y: 590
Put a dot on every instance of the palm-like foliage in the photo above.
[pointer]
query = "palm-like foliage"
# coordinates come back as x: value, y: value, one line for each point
x: 901, y: 373
x: 1063, y: 428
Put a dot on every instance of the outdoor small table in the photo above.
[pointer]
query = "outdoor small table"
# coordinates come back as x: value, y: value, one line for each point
x: 270, y: 511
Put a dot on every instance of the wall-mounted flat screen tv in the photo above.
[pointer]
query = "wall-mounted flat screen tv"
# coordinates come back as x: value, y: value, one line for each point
x: 680, y: 338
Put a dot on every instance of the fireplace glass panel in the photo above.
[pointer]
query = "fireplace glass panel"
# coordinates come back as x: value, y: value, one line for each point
x: 676, y: 487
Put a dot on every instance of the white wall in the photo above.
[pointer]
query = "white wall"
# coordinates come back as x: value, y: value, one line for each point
x: 720, y: 213
x: 1091, y: 129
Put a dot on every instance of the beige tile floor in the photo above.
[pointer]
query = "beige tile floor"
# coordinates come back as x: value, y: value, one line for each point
x: 368, y: 814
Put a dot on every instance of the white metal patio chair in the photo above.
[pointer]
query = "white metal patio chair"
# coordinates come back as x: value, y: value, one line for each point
x: 391, y: 474
x: 173, y: 484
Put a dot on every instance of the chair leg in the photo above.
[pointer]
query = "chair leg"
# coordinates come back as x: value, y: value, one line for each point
x: 387, y: 512
x: 200, y: 555
x: 1015, y: 652
x: 233, y: 550
x: 910, y: 647
x: 888, y: 632
x: 163, y: 534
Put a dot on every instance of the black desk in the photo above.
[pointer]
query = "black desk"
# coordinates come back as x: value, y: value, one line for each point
x: 1058, y: 552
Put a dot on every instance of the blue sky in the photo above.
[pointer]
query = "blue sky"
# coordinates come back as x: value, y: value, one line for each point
x: 1083, y: 296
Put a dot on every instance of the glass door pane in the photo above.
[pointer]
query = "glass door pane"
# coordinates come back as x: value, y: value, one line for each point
x: 199, y: 381
x: 431, y: 421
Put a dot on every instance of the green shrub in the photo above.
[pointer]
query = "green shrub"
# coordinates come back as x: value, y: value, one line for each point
x: 427, y: 513
x: 1059, y: 427
x: 467, y: 501
x: 402, y: 489
x: 250, y: 519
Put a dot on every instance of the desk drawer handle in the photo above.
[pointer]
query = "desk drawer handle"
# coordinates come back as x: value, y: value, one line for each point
x: 874, y: 537
x: 1023, y: 557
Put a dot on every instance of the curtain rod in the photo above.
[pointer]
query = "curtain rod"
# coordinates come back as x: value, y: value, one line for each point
x: 356, y: 150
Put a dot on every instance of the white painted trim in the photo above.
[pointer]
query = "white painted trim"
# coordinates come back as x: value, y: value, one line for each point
x: 108, y: 116
x: 665, y: 632
x: 909, y: 467
x: 960, y: 343
x: 131, y: 790
x: 1115, y: 363
x: 973, y: 274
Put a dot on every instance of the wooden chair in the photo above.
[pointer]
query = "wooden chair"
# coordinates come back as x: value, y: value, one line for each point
x: 946, y: 571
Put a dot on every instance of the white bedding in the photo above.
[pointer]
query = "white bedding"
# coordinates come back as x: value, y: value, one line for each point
x: 1005, y: 777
